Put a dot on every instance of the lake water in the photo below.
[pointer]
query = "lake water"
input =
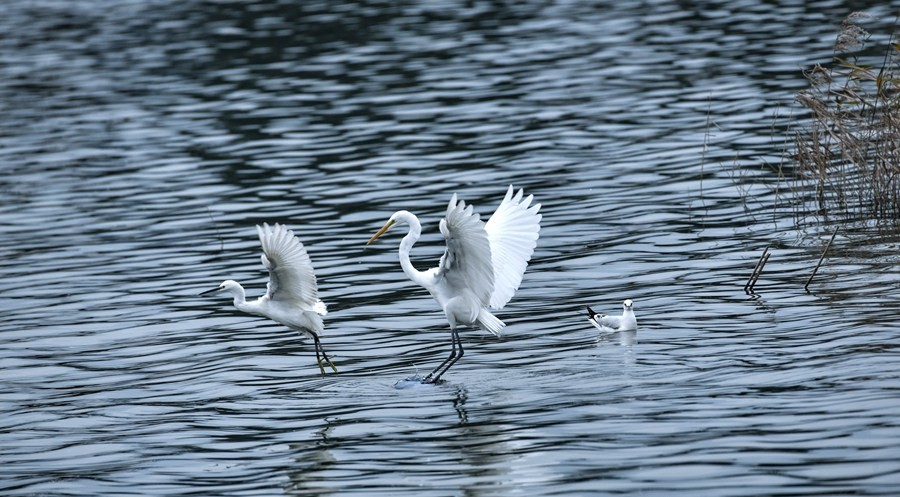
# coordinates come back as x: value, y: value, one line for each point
x: 141, y: 141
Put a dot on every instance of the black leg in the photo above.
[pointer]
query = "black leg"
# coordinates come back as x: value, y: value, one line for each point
x: 321, y: 355
x: 431, y: 378
x: 456, y: 354
x: 318, y: 357
x: 459, y: 354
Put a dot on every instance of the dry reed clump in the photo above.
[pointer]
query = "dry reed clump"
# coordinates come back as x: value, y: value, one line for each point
x: 847, y: 156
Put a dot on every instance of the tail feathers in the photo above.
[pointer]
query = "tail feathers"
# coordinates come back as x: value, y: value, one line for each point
x: 319, y: 307
x: 490, y: 322
x: 591, y: 313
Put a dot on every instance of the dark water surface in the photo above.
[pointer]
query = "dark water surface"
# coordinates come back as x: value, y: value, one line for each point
x: 140, y: 141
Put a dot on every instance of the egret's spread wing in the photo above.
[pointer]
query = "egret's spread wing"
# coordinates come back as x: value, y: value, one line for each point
x: 291, y: 277
x: 513, y: 232
x: 467, y: 261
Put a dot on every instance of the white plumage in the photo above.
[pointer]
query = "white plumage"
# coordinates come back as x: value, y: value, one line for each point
x: 513, y: 232
x: 626, y: 322
x: 482, y: 266
x: 292, y: 281
x: 292, y: 293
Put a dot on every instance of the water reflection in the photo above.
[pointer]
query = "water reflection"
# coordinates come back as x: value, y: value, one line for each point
x: 481, y: 446
x: 311, y: 463
x: 623, y: 338
x: 128, y: 125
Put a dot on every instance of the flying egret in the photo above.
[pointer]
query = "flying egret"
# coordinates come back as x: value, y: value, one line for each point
x: 482, y: 266
x: 292, y: 296
x: 625, y: 322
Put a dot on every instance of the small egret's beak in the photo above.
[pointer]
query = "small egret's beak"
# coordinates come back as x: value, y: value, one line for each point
x: 211, y: 292
x: 382, y: 231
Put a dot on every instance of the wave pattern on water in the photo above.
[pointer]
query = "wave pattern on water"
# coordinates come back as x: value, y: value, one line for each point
x: 141, y: 141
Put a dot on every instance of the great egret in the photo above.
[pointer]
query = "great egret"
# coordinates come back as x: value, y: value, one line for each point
x: 625, y: 322
x: 482, y: 266
x: 292, y: 296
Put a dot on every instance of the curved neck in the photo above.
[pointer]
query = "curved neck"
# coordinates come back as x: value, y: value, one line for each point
x: 415, y: 231
x: 240, y: 298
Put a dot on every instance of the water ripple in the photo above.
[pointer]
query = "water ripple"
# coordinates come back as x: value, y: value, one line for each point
x: 142, y: 141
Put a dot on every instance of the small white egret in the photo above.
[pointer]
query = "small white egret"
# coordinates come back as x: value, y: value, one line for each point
x: 292, y: 296
x: 482, y: 266
x: 625, y: 322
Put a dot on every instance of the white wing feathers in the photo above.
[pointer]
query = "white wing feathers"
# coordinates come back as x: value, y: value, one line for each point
x: 291, y: 278
x: 467, y: 261
x: 513, y: 233
x: 606, y: 323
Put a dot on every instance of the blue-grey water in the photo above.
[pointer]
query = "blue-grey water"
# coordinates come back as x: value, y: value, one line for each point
x: 141, y: 141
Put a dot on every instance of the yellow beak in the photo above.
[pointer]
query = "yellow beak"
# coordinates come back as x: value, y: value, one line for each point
x: 382, y: 231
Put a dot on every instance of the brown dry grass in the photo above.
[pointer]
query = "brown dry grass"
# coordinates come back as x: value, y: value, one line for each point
x: 846, y: 154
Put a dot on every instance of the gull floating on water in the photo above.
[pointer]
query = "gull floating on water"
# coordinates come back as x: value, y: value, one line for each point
x: 625, y: 322
x: 292, y: 297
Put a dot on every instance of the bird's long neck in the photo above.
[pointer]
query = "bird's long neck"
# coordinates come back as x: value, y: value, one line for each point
x: 415, y: 231
x: 240, y: 298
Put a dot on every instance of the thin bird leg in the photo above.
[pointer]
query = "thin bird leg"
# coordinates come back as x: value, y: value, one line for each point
x: 318, y: 357
x: 431, y: 378
x: 323, y: 356
x: 458, y: 355
x: 451, y: 360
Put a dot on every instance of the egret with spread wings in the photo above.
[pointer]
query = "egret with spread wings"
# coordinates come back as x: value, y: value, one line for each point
x: 292, y: 296
x: 482, y: 266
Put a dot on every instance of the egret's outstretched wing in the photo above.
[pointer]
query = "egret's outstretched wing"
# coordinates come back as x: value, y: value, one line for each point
x: 467, y: 261
x: 513, y: 231
x: 291, y: 277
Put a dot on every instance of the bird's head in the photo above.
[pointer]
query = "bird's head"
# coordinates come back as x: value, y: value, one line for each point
x: 628, y: 303
x: 226, y: 286
x: 397, y: 217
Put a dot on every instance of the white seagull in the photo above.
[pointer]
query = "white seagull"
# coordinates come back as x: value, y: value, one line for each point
x: 292, y: 296
x: 625, y: 322
x: 481, y: 268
